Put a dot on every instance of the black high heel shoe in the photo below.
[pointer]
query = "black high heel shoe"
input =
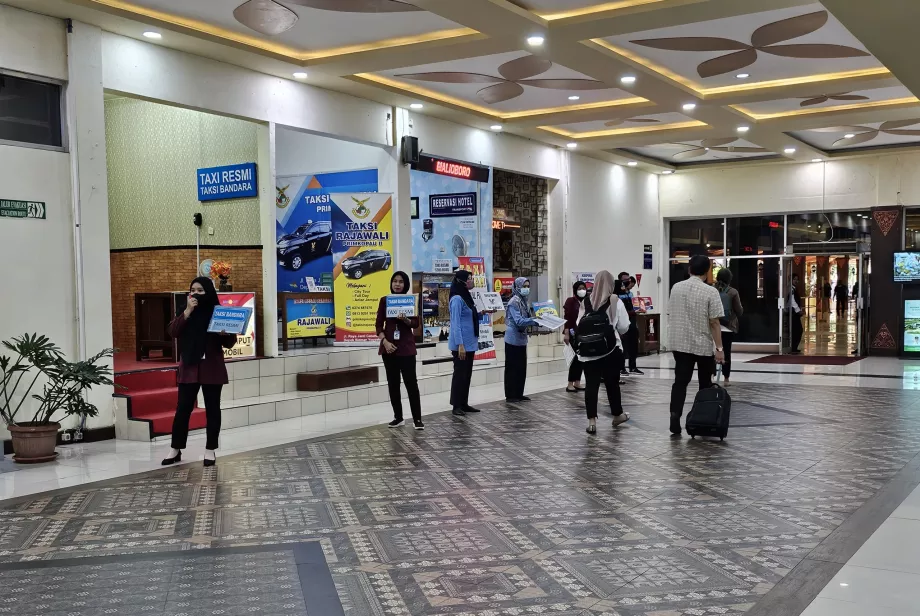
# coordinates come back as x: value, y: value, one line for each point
x: 592, y: 429
x: 168, y: 461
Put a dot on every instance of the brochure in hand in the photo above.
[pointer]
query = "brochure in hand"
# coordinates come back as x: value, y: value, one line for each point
x: 230, y: 320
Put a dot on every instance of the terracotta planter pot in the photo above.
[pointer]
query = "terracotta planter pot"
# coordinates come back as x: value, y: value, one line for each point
x: 34, y: 443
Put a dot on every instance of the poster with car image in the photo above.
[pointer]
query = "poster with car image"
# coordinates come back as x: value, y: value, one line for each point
x: 303, y: 215
x: 362, y: 251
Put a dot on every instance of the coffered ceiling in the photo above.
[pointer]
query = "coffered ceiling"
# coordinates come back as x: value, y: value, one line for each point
x: 706, y: 81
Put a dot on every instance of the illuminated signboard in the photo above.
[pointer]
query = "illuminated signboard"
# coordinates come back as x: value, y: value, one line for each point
x: 452, y: 168
x: 502, y: 224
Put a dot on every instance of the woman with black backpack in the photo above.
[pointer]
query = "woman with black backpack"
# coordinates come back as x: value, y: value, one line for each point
x: 729, y: 324
x: 600, y: 349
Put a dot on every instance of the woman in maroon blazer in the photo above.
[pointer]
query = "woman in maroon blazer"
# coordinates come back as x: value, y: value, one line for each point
x: 574, y: 308
x: 201, y: 366
x: 397, y: 347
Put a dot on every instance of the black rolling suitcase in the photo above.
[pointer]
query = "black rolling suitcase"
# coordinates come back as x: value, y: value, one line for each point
x: 710, y: 414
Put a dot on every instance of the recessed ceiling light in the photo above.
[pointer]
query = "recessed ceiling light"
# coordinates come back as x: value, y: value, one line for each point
x: 844, y: 584
x: 744, y: 128
x: 627, y: 79
x: 416, y: 106
x: 300, y: 75
x: 667, y: 172
x: 574, y: 97
x: 816, y: 160
x: 707, y: 149
x: 496, y: 127
x: 535, y: 40
x: 571, y: 146
x: 632, y: 163
x: 789, y: 150
x: 742, y: 75
x: 153, y: 35
x: 689, y: 106
x: 809, y: 226
x: 849, y: 135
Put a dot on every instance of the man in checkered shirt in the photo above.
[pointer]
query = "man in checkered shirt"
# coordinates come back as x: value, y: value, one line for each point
x: 694, y: 332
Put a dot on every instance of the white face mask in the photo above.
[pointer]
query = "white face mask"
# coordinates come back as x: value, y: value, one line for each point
x: 525, y: 292
x: 581, y: 293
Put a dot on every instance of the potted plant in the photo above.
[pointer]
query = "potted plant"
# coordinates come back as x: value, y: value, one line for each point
x: 63, y: 388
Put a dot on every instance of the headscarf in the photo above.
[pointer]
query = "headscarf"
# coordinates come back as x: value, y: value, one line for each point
x: 604, y: 288
x: 406, y: 283
x: 194, y: 340
x: 458, y: 287
x: 518, y: 297
x: 586, y: 300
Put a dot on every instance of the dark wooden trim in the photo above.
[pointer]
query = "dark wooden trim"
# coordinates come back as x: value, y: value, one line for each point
x: 186, y: 247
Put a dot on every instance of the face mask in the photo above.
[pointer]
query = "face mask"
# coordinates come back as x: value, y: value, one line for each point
x: 582, y: 293
x: 525, y: 292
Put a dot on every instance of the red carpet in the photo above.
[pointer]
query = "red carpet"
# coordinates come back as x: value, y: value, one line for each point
x: 805, y: 360
x: 127, y: 362
x: 152, y: 397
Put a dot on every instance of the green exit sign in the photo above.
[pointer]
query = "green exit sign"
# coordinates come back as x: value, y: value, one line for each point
x: 22, y: 209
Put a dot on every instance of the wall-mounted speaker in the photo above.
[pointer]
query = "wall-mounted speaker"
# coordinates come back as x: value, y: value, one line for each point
x: 409, y: 150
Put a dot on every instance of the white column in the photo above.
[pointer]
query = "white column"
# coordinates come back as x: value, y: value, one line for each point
x: 402, y: 216
x: 86, y: 136
x: 267, y: 218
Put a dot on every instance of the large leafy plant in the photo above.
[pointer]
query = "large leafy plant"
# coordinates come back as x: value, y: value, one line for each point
x: 64, y: 386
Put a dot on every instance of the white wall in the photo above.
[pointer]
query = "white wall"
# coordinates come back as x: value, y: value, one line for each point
x: 612, y: 212
x: 148, y: 70
x: 32, y: 43
x: 854, y: 183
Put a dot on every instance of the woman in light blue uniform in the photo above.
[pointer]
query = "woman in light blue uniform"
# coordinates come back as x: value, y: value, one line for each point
x: 463, y: 341
x: 517, y: 320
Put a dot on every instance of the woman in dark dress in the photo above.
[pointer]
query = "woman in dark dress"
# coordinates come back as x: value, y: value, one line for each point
x: 397, y: 347
x: 201, y: 366
x: 574, y: 308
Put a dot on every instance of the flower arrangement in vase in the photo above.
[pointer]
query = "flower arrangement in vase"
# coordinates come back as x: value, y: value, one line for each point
x: 222, y: 270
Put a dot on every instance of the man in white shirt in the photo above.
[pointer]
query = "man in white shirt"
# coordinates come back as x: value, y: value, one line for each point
x: 694, y: 310
x: 795, y: 316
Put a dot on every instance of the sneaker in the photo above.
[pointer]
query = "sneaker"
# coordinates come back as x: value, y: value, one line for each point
x: 636, y: 371
x: 620, y: 419
x: 459, y: 412
x: 624, y: 372
x: 397, y: 423
x: 419, y: 425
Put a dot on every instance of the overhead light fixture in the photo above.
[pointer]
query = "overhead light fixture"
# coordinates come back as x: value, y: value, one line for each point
x: 744, y: 128
x: 843, y: 584
x: 742, y: 75
x: 708, y: 245
x: 300, y: 75
x: 535, y: 41
x: 571, y: 146
x: 628, y: 79
x: 816, y: 160
x: 809, y: 226
x: 849, y: 135
x: 574, y: 97
x: 667, y: 172
x: 153, y: 35
x: 496, y: 127
x: 689, y: 106
x: 632, y: 163
x: 416, y: 106
x: 789, y: 151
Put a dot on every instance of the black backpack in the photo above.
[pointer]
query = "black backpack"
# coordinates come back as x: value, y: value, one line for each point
x: 596, y: 336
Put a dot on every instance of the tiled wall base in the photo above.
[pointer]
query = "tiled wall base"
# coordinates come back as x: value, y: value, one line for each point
x: 266, y: 390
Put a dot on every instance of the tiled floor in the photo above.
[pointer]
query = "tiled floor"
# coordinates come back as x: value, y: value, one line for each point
x: 517, y: 511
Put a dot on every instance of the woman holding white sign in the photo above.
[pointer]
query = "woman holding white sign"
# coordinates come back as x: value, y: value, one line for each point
x: 397, y: 347
x: 517, y: 320
x: 201, y: 366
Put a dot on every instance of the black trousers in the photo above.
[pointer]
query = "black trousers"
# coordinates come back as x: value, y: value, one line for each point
x: 463, y: 376
x: 575, y: 370
x: 795, y: 331
x: 515, y: 371
x: 188, y: 395
x: 685, y: 362
x: 727, y: 339
x: 631, y: 345
x: 608, y: 369
x: 403, y: 366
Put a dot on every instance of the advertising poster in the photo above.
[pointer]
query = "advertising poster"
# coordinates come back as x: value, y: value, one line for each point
x: 643, y: 304
x: 477, y: 265
x: 303, y: 214
x: 309, y: 317
x: 585, y: 277
x: 245, y: 343
x: 362, y: 250
x: 541, y: 309
x: 911, y: 326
